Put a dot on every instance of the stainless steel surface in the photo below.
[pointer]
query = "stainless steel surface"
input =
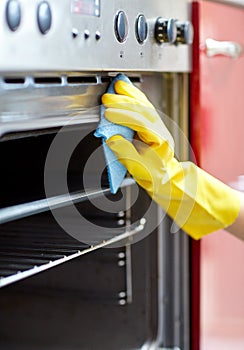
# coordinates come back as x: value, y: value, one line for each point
x: 54, y: 94
x: 20, y: 211
x: 52, y: 76
x: 129, y: 289
x: 173, y: 245
x: 124, y: 259
x: 21, y: 127
x: 74, y: 39
x: 17, y: 267
x: 154, y: 346
x: 56, y: 62
x: 225, y: 48
x: 33, y: 103
x: 174, y: 348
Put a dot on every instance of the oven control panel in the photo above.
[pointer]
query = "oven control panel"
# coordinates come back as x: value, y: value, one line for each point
x: 85, y: 35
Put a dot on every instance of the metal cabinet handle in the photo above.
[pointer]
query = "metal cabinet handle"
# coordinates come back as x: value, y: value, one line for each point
x: 226, y: 48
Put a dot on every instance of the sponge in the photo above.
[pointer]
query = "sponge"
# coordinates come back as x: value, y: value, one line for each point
x: 115, y: 170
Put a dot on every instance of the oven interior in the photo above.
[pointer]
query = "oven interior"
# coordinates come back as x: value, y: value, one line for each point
x: 113, y: 280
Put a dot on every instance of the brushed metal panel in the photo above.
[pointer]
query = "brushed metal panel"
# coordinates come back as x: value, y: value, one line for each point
x: 27, y: 49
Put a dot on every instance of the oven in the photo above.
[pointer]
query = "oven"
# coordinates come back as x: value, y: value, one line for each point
x: 81, y: 268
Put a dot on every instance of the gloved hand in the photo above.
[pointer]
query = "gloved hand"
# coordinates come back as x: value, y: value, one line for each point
x: 198, y: 202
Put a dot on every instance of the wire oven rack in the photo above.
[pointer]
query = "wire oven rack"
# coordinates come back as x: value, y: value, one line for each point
x: 24, y: 253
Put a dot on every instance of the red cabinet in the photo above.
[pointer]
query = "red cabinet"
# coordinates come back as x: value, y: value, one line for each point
x: 217, y: 129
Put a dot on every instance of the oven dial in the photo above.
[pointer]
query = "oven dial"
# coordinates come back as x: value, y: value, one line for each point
x: 165, y: 30
x: 184, y: 33
x: 121, y: 26
x: 44, y: 17
x: 13, y: 14
x: 141, y: 29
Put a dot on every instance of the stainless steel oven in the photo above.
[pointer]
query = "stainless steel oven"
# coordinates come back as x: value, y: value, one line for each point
x: 81, y: 268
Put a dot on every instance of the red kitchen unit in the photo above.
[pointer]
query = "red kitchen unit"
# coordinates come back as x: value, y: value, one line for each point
x: 217, y: 136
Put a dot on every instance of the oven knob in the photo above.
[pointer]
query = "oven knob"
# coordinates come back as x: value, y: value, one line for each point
x: 121, y: 26
x: 44, y: 17
x: 165, y: 30
x: 13, y: 14
x: 141, y: 29
x: 184, y: 33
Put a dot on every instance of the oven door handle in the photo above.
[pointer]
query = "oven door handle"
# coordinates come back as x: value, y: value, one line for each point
x: 230, y: 49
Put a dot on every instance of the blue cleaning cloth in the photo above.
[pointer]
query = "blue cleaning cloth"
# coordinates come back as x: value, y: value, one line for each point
x: 116, y: 171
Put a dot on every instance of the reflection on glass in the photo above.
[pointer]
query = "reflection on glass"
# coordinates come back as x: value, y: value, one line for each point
x: 86, y: 7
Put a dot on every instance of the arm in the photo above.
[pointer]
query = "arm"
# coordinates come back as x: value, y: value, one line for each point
x: 198, y: 202
x: 237, y: 228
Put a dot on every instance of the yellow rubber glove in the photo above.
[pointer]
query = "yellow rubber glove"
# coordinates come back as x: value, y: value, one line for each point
x: 198, y: 202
